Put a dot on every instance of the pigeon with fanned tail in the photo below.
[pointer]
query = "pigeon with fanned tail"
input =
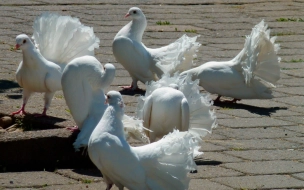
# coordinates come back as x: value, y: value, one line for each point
x: 58, y: 40
x: 175, y: 103
x: 83, y: 81
x: 250, y: 75
x: 146, y: 64
x: 161, y: 165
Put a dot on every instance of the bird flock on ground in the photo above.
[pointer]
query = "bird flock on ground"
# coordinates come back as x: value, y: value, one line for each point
x: 172, y: 116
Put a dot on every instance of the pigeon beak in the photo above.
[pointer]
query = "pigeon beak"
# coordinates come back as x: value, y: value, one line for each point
x: 127, y: 15
x: 17, y: 46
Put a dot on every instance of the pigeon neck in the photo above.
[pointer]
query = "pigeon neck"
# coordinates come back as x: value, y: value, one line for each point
x: 134, y: 29
x: 113, y: 121
x: 31, y: 55
x: 138, y: 27
x: 107, y: 77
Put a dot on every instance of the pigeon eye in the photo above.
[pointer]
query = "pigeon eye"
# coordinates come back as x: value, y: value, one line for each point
x: 108, y: 96
x: 134, y: 12
x: 24, y: 41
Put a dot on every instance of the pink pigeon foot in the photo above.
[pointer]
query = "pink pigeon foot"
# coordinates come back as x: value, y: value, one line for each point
x: 73, y: 129
x: 20, y: 111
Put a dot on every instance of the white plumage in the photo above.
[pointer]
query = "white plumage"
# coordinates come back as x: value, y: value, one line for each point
x: 165, y: 109
x: 146, y: 64
x: 59, y: 40
x: 172, y: 103
x: 249, y: 75
x: 160, y: 165
x: 83, y: 82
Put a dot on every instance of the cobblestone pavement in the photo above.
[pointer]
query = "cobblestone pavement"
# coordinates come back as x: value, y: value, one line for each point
x: 259, y: 144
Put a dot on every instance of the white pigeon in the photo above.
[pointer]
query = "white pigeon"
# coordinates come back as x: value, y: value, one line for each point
x: 250, y: 75
x: 58, y: 39
x: 145, y: 64
x: 36, y: 74
x: 160, y: 165
x: 165, y: 109
x: 172, y: 103
x: 83, y: 83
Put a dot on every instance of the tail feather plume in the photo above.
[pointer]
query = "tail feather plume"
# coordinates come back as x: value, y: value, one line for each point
x: 177, y: 56
x: 202, y: 119
x: 259, y: 56
x: 134, y: 128
x: 60, y: 39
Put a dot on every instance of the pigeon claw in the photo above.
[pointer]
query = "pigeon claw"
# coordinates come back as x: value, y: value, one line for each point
x: 21, y: 112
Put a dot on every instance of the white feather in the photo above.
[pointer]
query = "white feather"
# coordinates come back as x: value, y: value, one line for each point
x: 146, y: 64
x: 249, y: 75
x: 60, y: 39
x: 161, y: 165
x: 166, y: 116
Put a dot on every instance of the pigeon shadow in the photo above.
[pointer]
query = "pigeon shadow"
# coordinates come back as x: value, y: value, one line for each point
x: 7, y: 84
x: 250, y: 108
x: 89, y: 172
x: 207, y: 162
x: 30, y: 122
x: 132, y: 92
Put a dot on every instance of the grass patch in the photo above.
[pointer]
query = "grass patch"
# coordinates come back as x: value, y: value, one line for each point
x: 295, y: 61
x: 59, y: 96
x: 289, y: 20
x: 87, y: 181
x: 191, y: 31
x: 25, y: 126
x: 284, y: 34
x: 163, y: 23
x: 226, y: 108
x: 286, y: 69
x: 238, y: 6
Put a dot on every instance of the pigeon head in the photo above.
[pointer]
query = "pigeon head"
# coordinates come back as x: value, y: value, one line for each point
x: 115, y: 98
x: 23, y: 41
x: 135, y: 13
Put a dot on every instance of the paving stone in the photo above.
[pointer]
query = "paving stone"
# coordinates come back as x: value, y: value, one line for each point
x: 251, y: 144
x: 196, y: 184
x: 292, y: 90
x: 220, y: 157
x: 82, y: 175
x: 267, y: 167
x: 299, y: 129
x: 258, y: 133
x: 295, y: 119
x: 206, y: 146
x: 260, y: 182
x: 253, y: 122
x: 297, y: 140
x: 298, y: 176
x: 262, y: 155
x: 205, y: 172
x: 292, y: 100
x: 32, y: 179
x: 81, y: 186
